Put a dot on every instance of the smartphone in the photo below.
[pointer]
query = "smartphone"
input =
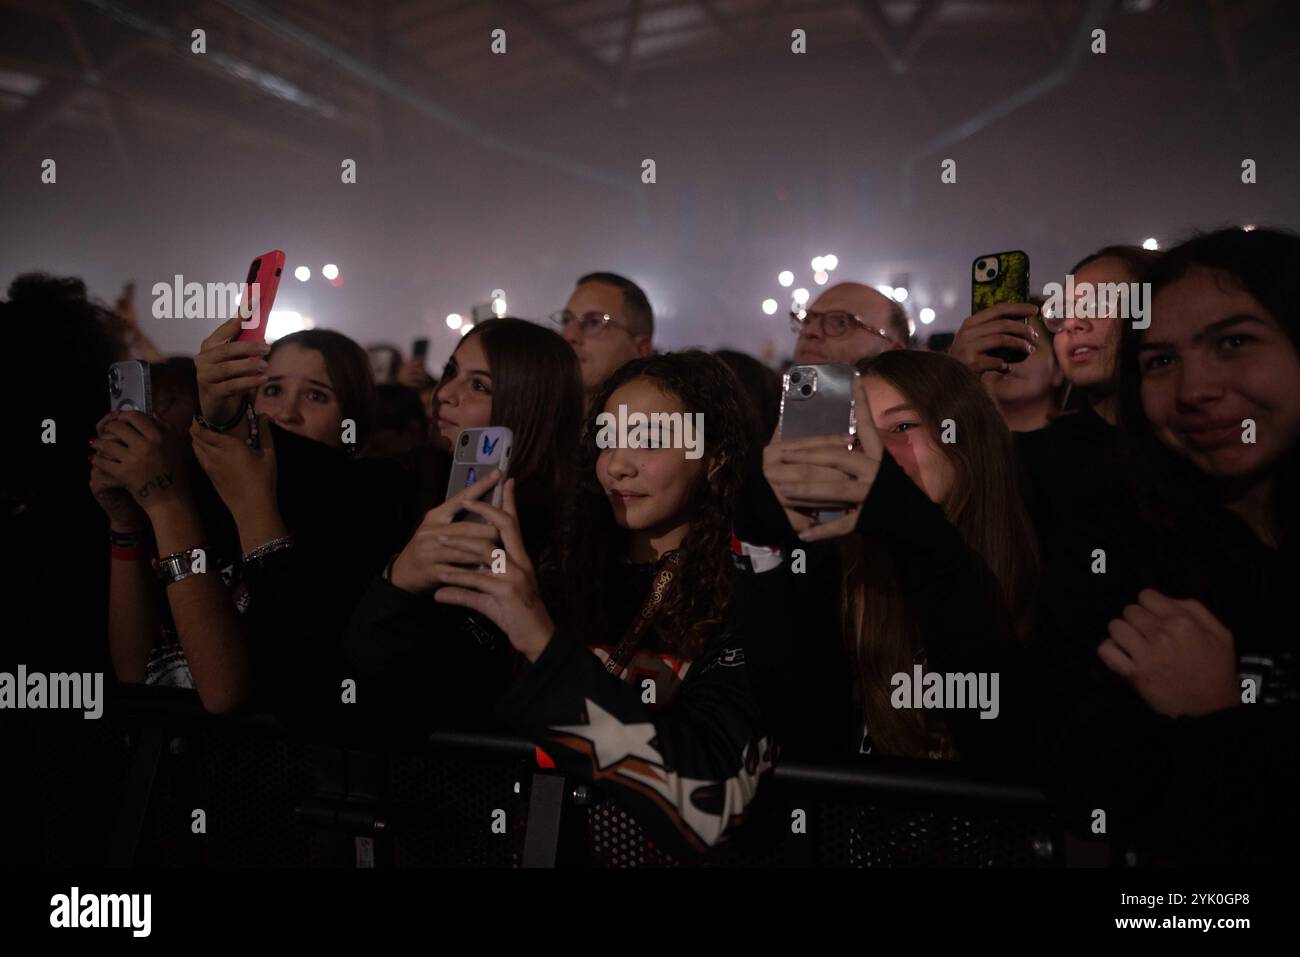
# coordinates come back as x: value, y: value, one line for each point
x: 478, y: 453
x: 818, y: 400
x: 996, y: 278
x: 420, y: 349
x: 263, y: 275
x: 130, y: 388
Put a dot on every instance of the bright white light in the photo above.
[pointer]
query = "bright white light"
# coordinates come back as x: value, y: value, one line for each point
x: 302, y: 274
x: 801, y: 296
x: 1150, y: 243
x: 820, y: 277
x: 785, y: 278
x: 886, y: 291
x: 900, y: 294
x: 308, y: 322
x: 498, y: 307
x: 284, y: 322
x: 466, y: 328
x: 927, y: 316
x: 830, y: 261
x: 817, y: 264
x: 1249, y: 228
x: 454, y: 321
x: 801, y: 313
x: 329, y: 271
x: 911, y: 327
x: 769, y: 306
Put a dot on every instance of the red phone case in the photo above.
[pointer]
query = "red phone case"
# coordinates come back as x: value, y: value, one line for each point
x: 265, y: 271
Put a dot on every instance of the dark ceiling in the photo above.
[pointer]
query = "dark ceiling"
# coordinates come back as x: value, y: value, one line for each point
x: 522, y: 170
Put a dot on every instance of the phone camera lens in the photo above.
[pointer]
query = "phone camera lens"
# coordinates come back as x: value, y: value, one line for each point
x: 805, y: 390
x: 464, y: 439
x: 795, y: 376
x: 114, y: 382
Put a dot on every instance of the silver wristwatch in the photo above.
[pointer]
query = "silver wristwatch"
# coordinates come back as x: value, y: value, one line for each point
x: 176, y: 567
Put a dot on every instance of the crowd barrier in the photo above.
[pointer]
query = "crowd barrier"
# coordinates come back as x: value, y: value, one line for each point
x: 157, y: 783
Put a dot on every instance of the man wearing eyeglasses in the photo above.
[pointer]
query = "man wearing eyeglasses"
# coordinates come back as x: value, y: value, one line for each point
x: 846, y: 323
x: 607, y: 321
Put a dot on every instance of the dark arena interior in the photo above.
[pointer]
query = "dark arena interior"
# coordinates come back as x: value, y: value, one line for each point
x: 677, y: 435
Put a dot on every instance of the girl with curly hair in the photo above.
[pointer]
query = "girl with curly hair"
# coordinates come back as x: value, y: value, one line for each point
x: 635, y: 676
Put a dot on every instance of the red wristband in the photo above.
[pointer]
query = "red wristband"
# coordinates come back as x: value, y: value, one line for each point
x: 129, y: 553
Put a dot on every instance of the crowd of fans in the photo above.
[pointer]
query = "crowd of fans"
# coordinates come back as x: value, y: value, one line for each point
x: 1104, y: 534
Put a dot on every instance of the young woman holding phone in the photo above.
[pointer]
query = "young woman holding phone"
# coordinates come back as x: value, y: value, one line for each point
x: 633, y: 672
x: 427, y: 665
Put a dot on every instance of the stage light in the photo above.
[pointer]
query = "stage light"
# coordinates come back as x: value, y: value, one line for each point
x: 498, y: 302
x: 302, y: 274
x: 927, y: 316
x: 830, y: 261
x: 821, y: 276
x: 329, y: 271
x: 886, y: 291
x: 454, y: 321
x: 801, y: 296
x: 283, y: 322
x: 817, y: 264
x: 466, y: 328
x: 1150, y: 243
x: 1248, y: 228
x: 900, y: 294
x: 769, y: 306
x: 786, y: 278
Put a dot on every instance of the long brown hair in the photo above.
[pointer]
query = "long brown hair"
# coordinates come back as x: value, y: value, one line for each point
x: 694, y: 614
x: 986, y: 507
x: 537, y: 394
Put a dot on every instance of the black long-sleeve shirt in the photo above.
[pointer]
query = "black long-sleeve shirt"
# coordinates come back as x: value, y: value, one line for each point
x: 1219, y: 788
x: 805, y: 685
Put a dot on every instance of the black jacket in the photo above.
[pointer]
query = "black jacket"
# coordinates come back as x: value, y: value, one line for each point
x: 1215, y: 789
x: 805, y: 681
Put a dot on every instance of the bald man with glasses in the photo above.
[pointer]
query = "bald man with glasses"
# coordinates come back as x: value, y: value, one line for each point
x: 847, y: 323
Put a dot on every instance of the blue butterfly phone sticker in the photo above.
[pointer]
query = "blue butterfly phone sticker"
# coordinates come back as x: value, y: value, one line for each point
x: 477, y: 454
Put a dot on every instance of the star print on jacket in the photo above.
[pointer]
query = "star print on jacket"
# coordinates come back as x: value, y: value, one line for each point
x: 695, y: 765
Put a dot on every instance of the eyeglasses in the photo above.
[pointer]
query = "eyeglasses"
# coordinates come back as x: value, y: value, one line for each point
x: 1082, y: 310
x: 834, y: 323
x: 591, y: 323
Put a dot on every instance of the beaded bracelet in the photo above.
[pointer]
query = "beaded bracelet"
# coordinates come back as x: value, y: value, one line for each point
x: 268, y: 548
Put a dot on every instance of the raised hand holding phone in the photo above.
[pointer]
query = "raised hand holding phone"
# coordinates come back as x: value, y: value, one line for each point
x: 827, y: 475
x: 988, y: 334
x: 441, y: 540
x: 507, y: 594
x: 227, y: 370
x: 231, y: 362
